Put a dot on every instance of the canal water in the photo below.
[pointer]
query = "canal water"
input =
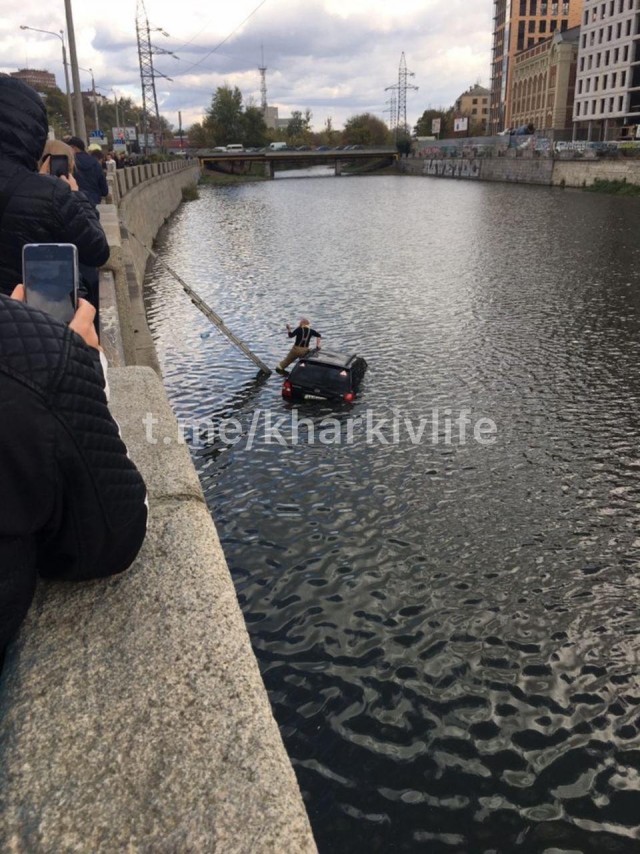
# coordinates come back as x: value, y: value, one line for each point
x: 446, y: 619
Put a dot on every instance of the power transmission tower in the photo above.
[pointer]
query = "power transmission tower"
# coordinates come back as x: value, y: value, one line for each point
x: 148, y: 73
x: 263, y: 85
x: 392, y: 109
x: 403, y: 85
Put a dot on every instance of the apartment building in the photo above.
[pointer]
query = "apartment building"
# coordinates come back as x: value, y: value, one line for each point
x: 34, y: 77
x: 608, y: 80
x: 474, y: 103
x: 544, y: 77
x: 519, y: 25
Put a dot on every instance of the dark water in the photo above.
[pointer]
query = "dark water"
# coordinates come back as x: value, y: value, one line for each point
x: 448, y: 631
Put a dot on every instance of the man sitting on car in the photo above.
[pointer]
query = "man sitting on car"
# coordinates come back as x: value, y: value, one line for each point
x: 303, y: 334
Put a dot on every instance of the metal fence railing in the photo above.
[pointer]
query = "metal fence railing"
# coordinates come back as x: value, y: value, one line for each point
x: 544, y: 143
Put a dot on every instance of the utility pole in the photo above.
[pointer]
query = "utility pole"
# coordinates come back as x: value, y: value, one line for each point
x: 75, y: 73
x: 180, y: 128
x: 393, y: 109
x: 148, y: 73
x: 72, y: 120
x: 72, y: 123
x: 403, y: 85
x: 94, y: 94
x: 115, y: 101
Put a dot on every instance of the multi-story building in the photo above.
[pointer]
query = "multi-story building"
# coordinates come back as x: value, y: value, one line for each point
x: 544, y: 79
x: 38, y: 80
x: 518, y: 25
x: 474, y: 103
x: 608, y: 83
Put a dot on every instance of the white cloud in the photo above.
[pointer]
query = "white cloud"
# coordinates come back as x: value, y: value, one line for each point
x: 334, y: 56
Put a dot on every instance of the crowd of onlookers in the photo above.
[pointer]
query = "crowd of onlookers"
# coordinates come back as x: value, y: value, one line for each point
x: 73, y: 503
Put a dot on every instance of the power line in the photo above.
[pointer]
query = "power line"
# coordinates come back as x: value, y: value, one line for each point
x: 148, y: 73
x: 224, y: 41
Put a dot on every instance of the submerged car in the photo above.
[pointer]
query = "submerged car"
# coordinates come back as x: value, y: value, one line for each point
x: 325, y: 375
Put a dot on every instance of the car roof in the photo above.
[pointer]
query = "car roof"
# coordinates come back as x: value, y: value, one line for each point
x: 329, y: 358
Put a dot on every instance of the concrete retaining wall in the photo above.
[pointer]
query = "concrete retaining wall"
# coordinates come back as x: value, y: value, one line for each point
x: 132, y: 712
x: 144, y: 201
x: 581, y: 173
x: 526, y: 169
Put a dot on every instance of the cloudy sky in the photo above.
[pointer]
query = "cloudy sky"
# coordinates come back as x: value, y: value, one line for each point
x: 334, y: 57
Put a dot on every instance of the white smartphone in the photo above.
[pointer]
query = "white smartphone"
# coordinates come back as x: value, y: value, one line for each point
x: 50, y: 277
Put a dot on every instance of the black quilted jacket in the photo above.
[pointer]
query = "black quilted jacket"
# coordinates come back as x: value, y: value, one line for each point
x: 42, y: 209
x: 72, y: 505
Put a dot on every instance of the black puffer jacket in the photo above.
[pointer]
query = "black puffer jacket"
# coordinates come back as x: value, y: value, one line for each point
x: 42, y: 209
x: 72, y: 502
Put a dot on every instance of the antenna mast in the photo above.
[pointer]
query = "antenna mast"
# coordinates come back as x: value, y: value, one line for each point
x: 263, y: 84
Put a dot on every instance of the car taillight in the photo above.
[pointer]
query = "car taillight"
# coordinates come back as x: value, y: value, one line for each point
x: 349, y: 397
x: 287, y: 389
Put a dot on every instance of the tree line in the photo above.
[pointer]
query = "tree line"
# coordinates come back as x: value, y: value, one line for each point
x: 228, y: 120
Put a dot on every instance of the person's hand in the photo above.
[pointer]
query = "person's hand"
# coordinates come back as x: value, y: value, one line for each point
x: 18, y: 293
x: 71, y: 181
x: 45, y: 169
x: 82, y: 323
x: 288, y: 327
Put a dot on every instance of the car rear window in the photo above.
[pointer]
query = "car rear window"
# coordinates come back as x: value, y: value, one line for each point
x: 321, y: 376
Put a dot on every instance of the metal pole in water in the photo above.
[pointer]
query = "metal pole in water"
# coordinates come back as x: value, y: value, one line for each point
x: 208, y: 312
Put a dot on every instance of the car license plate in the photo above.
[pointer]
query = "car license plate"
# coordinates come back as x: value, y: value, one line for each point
x: 314, y: 397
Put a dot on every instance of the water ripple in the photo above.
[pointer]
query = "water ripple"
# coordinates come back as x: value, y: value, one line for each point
x: 449, y: 633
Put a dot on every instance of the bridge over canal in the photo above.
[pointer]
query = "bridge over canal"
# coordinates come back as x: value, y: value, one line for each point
x: 239, y: 161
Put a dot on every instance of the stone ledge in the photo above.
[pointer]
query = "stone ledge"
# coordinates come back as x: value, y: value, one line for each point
x: 132, y: 712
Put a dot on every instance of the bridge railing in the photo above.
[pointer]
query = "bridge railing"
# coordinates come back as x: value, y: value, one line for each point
x: 124, y: 180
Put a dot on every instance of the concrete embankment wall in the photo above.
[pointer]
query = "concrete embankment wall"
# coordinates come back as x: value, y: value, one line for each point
x: 526, y: 170
x: 132, y: 712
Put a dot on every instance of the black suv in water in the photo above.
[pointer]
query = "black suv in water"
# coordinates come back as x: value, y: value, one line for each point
x: 323, y: 375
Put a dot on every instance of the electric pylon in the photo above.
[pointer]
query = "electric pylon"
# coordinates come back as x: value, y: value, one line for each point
x: 403, y: 85
x: 148, y: 73
x: 391, y: 107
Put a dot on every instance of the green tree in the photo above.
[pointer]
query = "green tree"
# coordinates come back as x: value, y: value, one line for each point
x: 224, y: 118
x: 365, y: 129
x: 423, y: 125
x: 255, y: 130
x: 57, y: 112
x: 328, y: 135
x: 299, y: 128
x: 198, y: 136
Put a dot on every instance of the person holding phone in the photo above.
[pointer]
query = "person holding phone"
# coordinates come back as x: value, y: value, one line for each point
x: 73, y: 503
x: 37, y: 208
x: 57, y: 159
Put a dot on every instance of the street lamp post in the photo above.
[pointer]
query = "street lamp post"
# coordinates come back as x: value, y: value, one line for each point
x: 60, y: 36
x: 95, y: 95
x: 115, y: 100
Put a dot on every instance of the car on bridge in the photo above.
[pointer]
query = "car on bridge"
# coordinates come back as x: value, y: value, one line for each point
x: 325, y: 375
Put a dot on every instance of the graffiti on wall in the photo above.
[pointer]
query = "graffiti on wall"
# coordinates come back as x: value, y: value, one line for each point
x: 452, y: 168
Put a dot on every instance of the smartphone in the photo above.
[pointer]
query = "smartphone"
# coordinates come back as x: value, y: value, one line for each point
x: 59, y: 165
x: 50, y: 277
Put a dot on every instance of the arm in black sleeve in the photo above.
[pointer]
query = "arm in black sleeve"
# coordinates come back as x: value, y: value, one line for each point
x: 292, y: 332
x: 79, y: 223
x: 27, y: 488
x: 99, y: 520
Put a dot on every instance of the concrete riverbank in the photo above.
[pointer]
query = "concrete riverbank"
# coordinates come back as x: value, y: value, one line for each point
x: 525, y: 167
x: 132, y: 712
